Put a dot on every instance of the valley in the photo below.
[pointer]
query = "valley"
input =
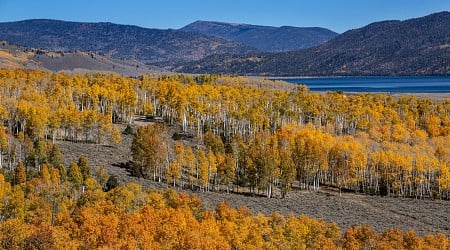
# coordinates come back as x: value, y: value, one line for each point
x: 222, y: 134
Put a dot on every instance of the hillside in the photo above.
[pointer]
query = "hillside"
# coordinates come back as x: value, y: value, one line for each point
x: 264, y: 38
x: 13, y: 56
x: 423, y: 216
x: 118, y: 41
x: 419, y: 46
x: 374, y: 145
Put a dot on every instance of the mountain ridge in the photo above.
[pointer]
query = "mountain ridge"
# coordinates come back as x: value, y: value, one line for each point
x: 264, y: 38
x: 116, y: 40
x: 418, y: 46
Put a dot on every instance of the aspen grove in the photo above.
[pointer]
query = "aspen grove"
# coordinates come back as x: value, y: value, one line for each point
x: 255, y: 133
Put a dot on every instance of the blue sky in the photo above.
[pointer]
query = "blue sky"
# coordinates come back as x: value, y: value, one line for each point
x: 337, y: 15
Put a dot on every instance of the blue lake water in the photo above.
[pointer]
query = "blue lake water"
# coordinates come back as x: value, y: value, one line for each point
x: 430, y: 84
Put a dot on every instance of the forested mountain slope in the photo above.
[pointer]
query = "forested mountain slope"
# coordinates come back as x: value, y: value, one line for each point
x: 118, y: 41
x: 419, y: 46
x: 264, y: 38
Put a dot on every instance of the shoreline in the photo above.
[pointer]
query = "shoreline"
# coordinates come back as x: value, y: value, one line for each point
x: 320, y: 77
x: 420, y: 86
x: 437, y: 97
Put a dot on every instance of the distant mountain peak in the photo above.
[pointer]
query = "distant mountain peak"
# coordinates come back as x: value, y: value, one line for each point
x: 119, y: 41
x: 264, y: 38
x: 418, y: 46
x: 216, y: 22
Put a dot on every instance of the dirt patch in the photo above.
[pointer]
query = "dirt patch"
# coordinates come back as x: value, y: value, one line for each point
x: 423, y: 216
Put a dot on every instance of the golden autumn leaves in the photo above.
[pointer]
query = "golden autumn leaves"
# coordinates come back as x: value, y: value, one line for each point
x: 254, y: 135
x: 44, y: 214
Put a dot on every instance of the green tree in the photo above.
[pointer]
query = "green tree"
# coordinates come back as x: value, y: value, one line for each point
x: 62, y: 172
x: 85, y: 169
x: 74, y: 175
x: 55, y: 157
x: 112, y: 183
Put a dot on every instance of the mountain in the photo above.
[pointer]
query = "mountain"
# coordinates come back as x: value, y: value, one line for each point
x: 419, y: 46
x: 264, y: 38
x: 13, y: 56
x: 118, y: 41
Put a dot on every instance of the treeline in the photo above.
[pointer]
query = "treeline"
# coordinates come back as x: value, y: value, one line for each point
x: 50, y: 212
x: 38, y: 103
x: 296, y: 156
x: 273, y: 134
x: 268, y: 138
x: 42, y: 105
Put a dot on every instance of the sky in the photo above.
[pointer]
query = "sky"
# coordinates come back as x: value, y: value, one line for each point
x: 337, y: 15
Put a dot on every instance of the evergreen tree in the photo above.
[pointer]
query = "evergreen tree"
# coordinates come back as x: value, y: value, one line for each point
x: 55, y: 157
x: 85, y: 169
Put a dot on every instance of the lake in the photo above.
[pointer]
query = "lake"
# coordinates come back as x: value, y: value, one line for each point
x: 388, y: 84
